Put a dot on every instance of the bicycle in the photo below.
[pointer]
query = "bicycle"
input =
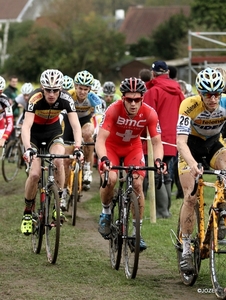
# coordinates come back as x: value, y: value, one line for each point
x: 48, y: 195
x: 12, y: 156
x: 75, y: 182
x: 122, y: 237
x: 208, y: 238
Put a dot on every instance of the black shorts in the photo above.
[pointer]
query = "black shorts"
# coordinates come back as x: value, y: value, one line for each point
x: 204, y: 149
x: 68, y: 133
x: 45, y: 134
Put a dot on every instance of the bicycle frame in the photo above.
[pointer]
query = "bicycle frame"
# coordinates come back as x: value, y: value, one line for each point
x: 125, y: 231
x: 204, y: 234
x: 208, y: 239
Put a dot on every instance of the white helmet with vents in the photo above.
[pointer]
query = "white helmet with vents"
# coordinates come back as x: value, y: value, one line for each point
x: 2, y: 83
x: 209, y: 81
x: 96, y: 86
x: 52, y: 79
x: 27, y: 88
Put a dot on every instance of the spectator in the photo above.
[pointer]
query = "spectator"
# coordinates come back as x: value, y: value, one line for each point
x: 165, y: 96
x: 11, y: 92
x: 172, y: 72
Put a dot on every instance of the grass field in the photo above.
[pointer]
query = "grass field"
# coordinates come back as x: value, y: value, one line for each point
x: 83, y: 268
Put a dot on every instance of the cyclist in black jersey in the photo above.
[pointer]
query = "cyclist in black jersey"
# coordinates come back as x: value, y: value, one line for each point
x: 41, y: 124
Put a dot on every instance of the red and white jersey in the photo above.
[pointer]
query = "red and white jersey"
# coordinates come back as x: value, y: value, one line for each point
x: 6, y: 117
x: 124, y: 130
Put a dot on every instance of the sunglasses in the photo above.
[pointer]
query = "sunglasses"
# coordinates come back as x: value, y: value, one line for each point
x: 52, y: 91
x: 210, y: 95
x: 130, y: 100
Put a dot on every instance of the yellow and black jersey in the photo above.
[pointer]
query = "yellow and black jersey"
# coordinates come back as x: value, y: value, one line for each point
x: 194, y: 119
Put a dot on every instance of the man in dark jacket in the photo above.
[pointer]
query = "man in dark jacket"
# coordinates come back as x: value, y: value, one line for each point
x: 165, y: 96
x: 11, y: 93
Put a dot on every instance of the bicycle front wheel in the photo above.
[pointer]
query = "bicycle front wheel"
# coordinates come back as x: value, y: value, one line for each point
x: 11, y: 160
x: 218, y: 260
x: 132, y: 239
x: 38, y: 225
x: 52, y: 224
x: 190, y: 278
x: 115, y: 241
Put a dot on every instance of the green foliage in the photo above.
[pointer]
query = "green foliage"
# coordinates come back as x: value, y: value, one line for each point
x: 31, y: 54
x: 142, y: 48
x: 167, y: 36
x: 67, y: 44
x: 211, y: 13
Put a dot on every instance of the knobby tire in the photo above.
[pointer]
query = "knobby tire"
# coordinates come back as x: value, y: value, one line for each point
x: 190, y: 279
x: 52, y: 228
x: 115, y: 241
x: 11, y: 162
x: 131, y: 242
x: 217, y: 262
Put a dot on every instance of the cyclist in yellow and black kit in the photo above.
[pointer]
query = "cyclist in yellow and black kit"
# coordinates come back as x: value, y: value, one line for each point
x: 41, y: 124
x: 201, y: 119
x: 86, y: 103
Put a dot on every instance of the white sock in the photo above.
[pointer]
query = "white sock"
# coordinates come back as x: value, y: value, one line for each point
x: 134, y: 226
x: 186, y: 241
x: 106, y: 209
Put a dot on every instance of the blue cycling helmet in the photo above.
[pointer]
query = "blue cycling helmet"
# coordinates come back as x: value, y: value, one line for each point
x: 84, y: 78
x: 68, y: 83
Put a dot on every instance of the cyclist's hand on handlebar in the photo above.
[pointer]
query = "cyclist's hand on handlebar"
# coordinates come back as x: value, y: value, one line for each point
x: 78, y: 154
x: 160, y: 166
x: 104, y: 164
x: 195, y: 170
x: 29, y: 154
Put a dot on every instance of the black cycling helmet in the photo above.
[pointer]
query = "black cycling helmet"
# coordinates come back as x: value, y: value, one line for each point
x: 133, y: 85
x: 109, y: 88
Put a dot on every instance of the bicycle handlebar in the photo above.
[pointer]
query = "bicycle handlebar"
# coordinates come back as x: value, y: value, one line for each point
x: 210, y: 172
x: 125, y: 168
x: 83, y: 143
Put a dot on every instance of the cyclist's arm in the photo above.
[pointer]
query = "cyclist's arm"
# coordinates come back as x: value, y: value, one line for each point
x: 100, y: 146
x: 185, y: 152
x: 9, y: 122
x: 157, y: 147
x: 26, y: 129
x: 75, y: 125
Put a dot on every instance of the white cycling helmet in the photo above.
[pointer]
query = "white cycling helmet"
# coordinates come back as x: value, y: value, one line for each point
x: 52, y: 79
x: 209, y: 81
x: 2, y: 83
x: 27, y: 88
x: 96, y: 86
x: 68, y: 83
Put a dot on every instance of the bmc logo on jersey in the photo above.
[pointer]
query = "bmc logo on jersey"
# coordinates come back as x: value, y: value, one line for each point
x: 131, y: 123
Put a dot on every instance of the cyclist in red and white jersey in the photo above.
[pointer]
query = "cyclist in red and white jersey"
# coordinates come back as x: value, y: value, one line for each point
x: 6, y: 115
x: 119, y: 137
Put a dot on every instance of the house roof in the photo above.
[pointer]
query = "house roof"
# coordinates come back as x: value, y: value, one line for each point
x: 12, y: 10
x: 142, y: 21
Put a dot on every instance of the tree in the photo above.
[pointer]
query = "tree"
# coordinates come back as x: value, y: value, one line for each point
x: 85, y: 42
x: 212, y: 13
x: 167, y: 37
x: 144, y: 47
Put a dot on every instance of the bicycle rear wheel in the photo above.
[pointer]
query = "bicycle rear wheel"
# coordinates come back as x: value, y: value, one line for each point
x: 52, y: 227
x: 132, y: 241
x: 218, y: 262
x: 115, y: 241
x: 11, y: 160
x: 190, y: 278
x: 38, y: 226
